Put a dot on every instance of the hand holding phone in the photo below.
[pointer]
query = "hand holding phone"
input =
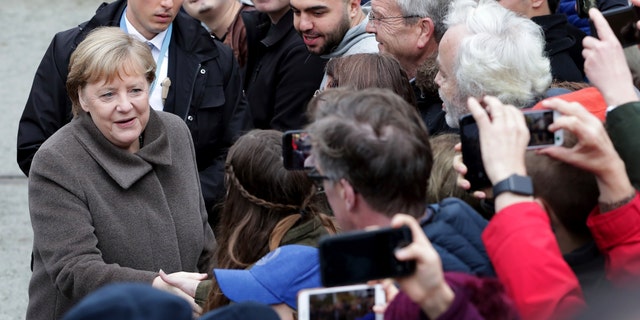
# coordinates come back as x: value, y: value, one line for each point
x: 472, y: 155
x: 360, y: 256
x: 427, y: 285
x: 606, y: 63
x: 344, y: 302
x: 623, y: 23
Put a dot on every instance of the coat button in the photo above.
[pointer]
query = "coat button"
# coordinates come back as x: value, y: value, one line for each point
x: 203, y: 71
x: 190, y: 118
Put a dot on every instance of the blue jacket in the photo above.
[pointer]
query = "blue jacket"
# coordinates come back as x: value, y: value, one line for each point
x: 568, y: 7
x: 455, y: 230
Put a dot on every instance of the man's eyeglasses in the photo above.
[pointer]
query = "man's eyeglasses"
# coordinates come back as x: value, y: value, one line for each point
x: 317, y: 178
x: 376, y: 20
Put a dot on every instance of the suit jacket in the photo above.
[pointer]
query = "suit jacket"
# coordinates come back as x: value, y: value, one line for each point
x: 101, y: 214
x: 206, y: 92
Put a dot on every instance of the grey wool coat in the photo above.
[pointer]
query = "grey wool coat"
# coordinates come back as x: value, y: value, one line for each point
x: 101, y: 214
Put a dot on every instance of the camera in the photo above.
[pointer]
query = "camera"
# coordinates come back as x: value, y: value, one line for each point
x: 296, y: 148
x: 360, y: 256
x: 344, y: 302
x: 623, y: 23
x: 538, y: 122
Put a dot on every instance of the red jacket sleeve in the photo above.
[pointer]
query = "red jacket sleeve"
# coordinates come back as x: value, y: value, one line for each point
x: 528, y: 261
x: 617, y: 234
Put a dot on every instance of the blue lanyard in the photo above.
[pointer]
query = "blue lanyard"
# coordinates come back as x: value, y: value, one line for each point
x: 163, y: 50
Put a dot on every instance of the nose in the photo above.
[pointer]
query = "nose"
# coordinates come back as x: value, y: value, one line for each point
x: 124, y: 104
x: 168, y: 3
x: 438, y: 79
x: 371, y: 28
x: 304, y: 22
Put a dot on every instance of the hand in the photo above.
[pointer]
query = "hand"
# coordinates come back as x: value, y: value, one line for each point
x: 594, y: 151
x: 461, y: 169
x: 503, y: 137
x: 390, y: 292
x: 161, y: 284
x: 186, y: 281
x: 606, y: 65
x: 426, y: 286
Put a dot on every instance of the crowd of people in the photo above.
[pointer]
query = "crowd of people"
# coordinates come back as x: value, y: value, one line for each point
x: 153, y: 142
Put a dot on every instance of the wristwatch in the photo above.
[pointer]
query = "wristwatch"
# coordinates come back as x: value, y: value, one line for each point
x: 515, y: 184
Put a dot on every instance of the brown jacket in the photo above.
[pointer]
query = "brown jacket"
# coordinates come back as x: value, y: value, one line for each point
x: 102, y: 215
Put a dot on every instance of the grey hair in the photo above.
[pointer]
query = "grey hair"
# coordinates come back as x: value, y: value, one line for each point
x: 502, y: 53
x: 434, y: 9
x: 373, y: 137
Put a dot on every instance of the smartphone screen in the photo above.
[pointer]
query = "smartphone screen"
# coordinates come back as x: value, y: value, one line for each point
x: 472, y: 155
x: 296, y: 148
x: 345, y: 302
x: 623, y: 23
x: 538, y: 122
x: 360, y: 256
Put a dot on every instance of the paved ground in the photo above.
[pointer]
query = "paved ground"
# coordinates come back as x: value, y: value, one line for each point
x: 26, y: 30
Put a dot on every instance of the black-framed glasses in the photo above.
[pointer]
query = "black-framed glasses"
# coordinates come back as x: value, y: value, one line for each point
x: 317, y: 178
x: 376, y: 20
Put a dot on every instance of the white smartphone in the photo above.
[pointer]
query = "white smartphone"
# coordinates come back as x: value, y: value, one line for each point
x: 538, y: 122
x: 344, y: 302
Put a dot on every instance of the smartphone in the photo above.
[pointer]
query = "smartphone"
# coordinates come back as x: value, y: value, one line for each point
x: 472, y: 155
x: 623, y: 23
x: 296, y: 148
x: 345, y: 302
x: 360, y: 256
x: 583, y: 6
x: 538, y: 122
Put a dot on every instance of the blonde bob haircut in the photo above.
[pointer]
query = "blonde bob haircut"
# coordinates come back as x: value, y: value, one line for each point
x: 107, y: 53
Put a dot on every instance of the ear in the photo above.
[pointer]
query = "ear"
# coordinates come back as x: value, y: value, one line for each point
x: 348, y: 195
x: 427, y: 32
x: 354, y: 8
x: 536, y: 4
x: 81, y: 98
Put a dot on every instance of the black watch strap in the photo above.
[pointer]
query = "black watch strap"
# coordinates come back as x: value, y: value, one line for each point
x: 515, y: 184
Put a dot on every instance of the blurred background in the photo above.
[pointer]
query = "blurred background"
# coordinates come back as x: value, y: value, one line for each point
x: 26, y: 28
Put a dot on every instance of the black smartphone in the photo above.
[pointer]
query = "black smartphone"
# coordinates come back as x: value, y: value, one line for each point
x: 623, y: 23
x: 360, y: 256
x: 296, y: 148
x: 583, y: 6
x: 471, y: 154
x: 538, y: 122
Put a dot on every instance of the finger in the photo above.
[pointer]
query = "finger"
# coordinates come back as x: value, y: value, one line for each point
x: 478, y: 113
x: 602, y: 26
x: 480, y: 194
x: 457, y: 147
x: 379, y: 308
x: 196, y: 276
x: 559, y: 153
x: 458, y: 164
x: 401, y: 219
x: 567, y: 108
x: 495, y: 108
x: 463, y: 183
x: 390, y: 290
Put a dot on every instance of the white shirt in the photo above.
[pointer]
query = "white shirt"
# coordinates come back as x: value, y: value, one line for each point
x: 155, y: 97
